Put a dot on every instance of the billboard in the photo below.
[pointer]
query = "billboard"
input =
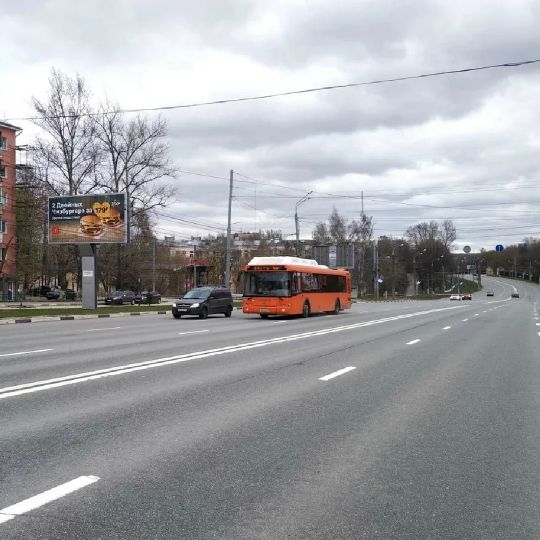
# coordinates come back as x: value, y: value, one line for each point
x: 335, y: 256
x: 88, y: 219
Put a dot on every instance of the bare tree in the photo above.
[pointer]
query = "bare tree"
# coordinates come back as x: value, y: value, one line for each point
x: 447, y: 233
x: 68, y: 150
x: 360, y: 232
x: 135, y: 158
x: 337, y: 227
x: 423, y: 232
x: 320, y: 234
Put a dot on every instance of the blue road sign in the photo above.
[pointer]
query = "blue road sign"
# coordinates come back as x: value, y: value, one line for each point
x: 499, y: 247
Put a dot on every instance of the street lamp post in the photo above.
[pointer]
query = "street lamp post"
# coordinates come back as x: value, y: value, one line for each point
x: 432, y: 273
x: 414, y: 270
x: 394, y: 269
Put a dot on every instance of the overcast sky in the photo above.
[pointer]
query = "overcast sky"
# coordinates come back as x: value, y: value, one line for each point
x: 464, y: 147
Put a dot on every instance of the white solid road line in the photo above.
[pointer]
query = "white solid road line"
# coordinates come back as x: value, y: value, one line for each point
x: 413, y: 341
x: 104, y: 329
x: 26, y: 352
x: 447, y: 328
x: 76, y: 378
x: 46, y: 497
x: 279, y: 322
x: 336, y: 373
x: 193, y: 332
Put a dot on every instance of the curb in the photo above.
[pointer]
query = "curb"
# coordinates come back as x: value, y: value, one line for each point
x: 78, y: 317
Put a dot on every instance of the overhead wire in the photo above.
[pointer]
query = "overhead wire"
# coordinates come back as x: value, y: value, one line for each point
x: 295, y: 92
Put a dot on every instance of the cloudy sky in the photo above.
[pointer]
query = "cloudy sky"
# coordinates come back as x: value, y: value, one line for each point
x: 464, y: 147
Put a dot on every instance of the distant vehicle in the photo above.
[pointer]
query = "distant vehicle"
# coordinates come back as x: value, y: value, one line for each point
x: 70, y: 294
x: 490, y: 293
x: 148, y: 297
x: 515, y: 295
x: 120, y: 298
x: 294, y: 286
x: 54, y: 294
x: 204, y: 301
x: 467, y: 296
x: 43, y: 290
x: 455, y: 297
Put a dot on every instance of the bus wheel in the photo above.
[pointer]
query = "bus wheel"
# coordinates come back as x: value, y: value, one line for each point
x: 337, y: 307
x: 306, y: 310
x: 264, y: 315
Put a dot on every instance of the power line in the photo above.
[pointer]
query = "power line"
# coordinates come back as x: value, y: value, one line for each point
x: 293, y: 92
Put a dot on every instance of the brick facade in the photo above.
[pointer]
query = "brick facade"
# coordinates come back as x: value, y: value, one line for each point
x: 8, y: 238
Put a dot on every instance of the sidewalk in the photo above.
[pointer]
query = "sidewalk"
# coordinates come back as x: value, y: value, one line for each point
x: 34, y: 303
x: 77, y: 317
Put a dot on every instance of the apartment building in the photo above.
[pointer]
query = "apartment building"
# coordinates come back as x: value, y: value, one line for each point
x: 8, y: 239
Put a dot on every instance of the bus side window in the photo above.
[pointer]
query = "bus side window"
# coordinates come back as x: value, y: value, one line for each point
x: 297, y: 285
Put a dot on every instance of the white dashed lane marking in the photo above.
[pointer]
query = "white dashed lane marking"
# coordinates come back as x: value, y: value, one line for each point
x: 447, y: 328
x: 336, y: 373
x: 413, y: 341
x: 104, y: 329
x: 48, y: 496
x: 26, y: 352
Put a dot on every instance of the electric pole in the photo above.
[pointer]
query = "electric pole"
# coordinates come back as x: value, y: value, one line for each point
x: 228, y: 249
x: 154, y: 264
x: 296, y: 220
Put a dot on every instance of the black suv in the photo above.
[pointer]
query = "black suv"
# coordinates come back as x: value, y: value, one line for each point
x: 148, y: 297
x: 204, y: 301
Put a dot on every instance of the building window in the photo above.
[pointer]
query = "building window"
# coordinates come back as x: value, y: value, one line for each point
x: 3, y: 143
x: 3, y: 173
x: 3, y: 226
x: 3, y: 254
x: 3, y: 197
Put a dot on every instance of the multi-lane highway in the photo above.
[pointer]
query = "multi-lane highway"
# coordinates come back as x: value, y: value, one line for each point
x: 393, y: 420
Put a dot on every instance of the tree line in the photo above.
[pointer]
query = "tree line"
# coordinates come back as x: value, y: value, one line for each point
x: 82, y: 148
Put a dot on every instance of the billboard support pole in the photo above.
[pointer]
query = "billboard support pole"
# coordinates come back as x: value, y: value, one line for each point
x: 89, y: 275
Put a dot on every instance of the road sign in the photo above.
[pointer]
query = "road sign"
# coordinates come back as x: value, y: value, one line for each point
x: 499, y: 247
x: 467, y: 249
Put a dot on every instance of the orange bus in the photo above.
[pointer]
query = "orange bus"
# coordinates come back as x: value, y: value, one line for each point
x: 294, y: 286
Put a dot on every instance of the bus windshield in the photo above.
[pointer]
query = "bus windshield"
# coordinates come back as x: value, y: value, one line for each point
x: 267, y: 284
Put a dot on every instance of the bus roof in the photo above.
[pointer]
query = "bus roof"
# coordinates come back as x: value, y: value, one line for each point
x: 282, y: 261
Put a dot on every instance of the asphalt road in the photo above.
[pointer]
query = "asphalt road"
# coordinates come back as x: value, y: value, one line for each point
x: 395, y: 420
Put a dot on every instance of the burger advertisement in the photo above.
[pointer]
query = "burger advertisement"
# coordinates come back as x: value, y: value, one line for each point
x: 88, y: 219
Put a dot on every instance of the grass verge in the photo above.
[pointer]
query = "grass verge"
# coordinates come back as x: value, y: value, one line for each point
x: 57, y: 312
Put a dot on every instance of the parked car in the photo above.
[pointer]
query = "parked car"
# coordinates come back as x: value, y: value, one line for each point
x: 467, y: 296
x: 43, y: 290
x: 515, y: 294
x: 70, y: 294
x: 148, y: 297
x: 455, y: 297
x: 54, y: 294
x: 490, y: 293
x: 204, y: 301
x: 120, y: 298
